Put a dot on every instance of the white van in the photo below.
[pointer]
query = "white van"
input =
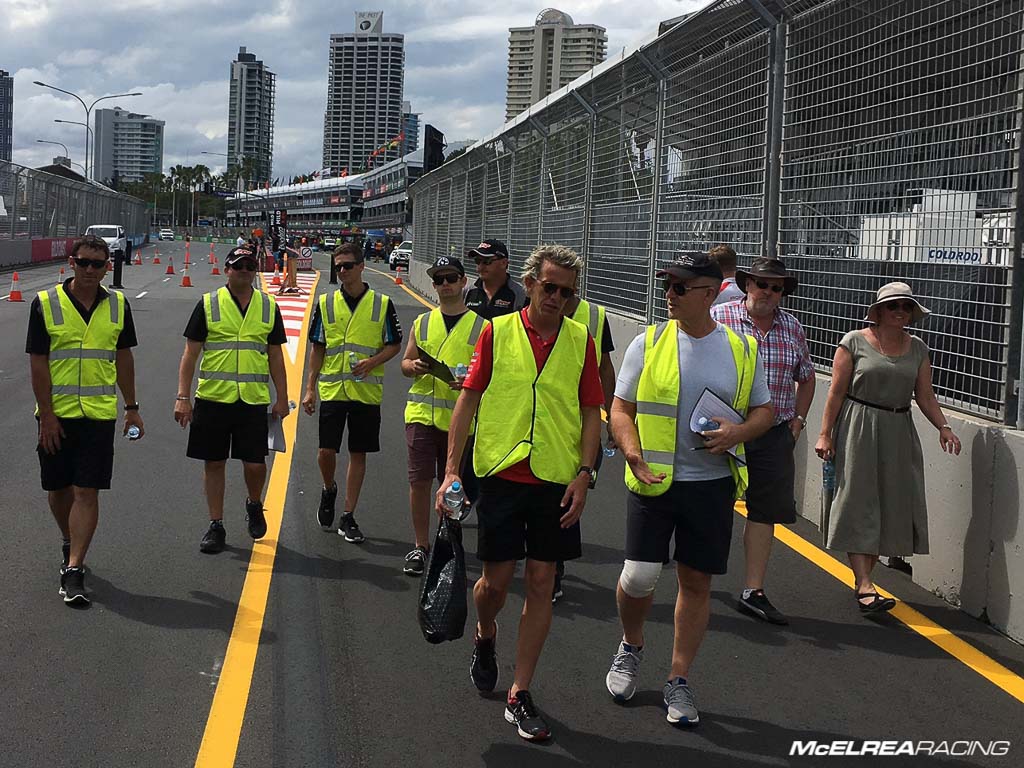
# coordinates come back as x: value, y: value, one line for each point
x: 113, y: 235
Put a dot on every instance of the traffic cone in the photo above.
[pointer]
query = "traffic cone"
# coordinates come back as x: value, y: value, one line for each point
x: 213, y: 259
x: 170, y: 266
x: 186, y: 281
x: 277, y: 276
x: 187, y: 261
x: 60, y: 278
x: 156, y: 256
x: 398, y: 278
x: 15, y: 294
x: 215, y: 270
x: 138, y: 259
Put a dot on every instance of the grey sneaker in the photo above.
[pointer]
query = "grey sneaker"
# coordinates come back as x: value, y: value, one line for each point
x: 679, y: 701
x: 621, y: 679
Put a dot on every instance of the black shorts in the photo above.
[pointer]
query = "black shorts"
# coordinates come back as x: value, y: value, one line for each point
x: 772, y: 469
x: 220, y: 428
x: 699, y: 513
x: 363, y: 425
x: 85, y: 457
x: 517, y: 520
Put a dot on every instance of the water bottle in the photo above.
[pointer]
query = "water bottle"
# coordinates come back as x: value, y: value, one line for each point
x: 134, y: 433
x: 828, y: 475
x: 352, y: 360
x: 608, y: 449
x: 461, y: 371
x: 706, y: 424
x: 454, y: 500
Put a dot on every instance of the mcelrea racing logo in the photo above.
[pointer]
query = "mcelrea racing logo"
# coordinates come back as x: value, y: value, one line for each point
x: 894, y: 748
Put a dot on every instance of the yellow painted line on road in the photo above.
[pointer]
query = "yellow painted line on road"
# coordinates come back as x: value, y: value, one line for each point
x: 959, y: 649
x: 224, y: 725
x: 405, y: 288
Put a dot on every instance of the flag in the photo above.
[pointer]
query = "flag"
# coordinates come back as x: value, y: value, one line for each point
x: 344, y: 173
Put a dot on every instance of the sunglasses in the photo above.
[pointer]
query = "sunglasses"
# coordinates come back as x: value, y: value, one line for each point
x: 346, y: 265
x: 485, y: 260
x: 775, y: 287
x: 94, y: 263
x: 551, y: 289
x: 893, y: 306
x: 245, y: 265
x: 680, y: 290
x: 451, y: 278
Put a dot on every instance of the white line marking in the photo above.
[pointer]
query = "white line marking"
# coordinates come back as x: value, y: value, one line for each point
x: 141, y: 294
x: 166, y: 279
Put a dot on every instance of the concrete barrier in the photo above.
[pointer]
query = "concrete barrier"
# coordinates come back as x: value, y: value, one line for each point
x: 14, y: 253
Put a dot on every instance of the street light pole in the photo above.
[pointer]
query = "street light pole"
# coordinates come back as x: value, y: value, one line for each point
x: 88, y: 111
x: 59, y: 144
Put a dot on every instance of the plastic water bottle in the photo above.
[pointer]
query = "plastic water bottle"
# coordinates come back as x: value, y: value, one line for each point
x: 706, y: 424
x: 828, y: 475
x: 608, y: 449
x: 461, y: 371
x: 454, y: 500
x: 134, y: 433
x: 352, y: 360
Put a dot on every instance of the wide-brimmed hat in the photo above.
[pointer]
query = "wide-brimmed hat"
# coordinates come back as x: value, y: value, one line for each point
x: 764, y: 267
x: 894, y: 292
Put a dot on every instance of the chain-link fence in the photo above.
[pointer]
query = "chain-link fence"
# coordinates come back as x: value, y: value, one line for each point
x: 37, y: 204
x: 861, y: 140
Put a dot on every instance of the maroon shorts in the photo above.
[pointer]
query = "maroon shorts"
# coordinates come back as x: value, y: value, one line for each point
x: 428, y: 452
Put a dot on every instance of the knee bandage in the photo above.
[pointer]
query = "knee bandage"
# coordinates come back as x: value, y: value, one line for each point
x: 639, y: 579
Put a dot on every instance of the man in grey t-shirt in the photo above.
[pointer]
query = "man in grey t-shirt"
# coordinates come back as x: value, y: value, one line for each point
x: 682, y: 483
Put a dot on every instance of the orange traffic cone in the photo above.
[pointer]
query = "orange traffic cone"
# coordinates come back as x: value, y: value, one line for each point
x: 213, y: 259
x: 186, y: 281
x: 15, y: 294
x: 187, y: 261
x: 60, y: 278
x: 398, y: 278
x: 277, y: 276
x: 170, y: 266
x: 215, y: 270
x: 156, y: 256
x: 138, y: 259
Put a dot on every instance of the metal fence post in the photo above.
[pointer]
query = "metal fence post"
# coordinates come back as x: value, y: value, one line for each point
x: 589, y: 175
x: 773, y: 143
x: 659, y: 139
x: 511, y: 195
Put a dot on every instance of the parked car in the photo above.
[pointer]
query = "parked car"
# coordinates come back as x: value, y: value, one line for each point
x: 113, y: 235
x: 401, y: 255
x: 329, y: 243
x: 166, y: 234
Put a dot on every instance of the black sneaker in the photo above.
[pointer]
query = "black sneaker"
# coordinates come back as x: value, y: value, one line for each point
x: 255, y: 519
x: 65, y: 550
x: 325, y: 514
x: 523, y: 713
x: 72, y: 587
x: 416, y: 562
x: 483, y: 668
x: 556, y: 593
x: 350, y: 529
x: 213, y: 539
x: 758, y: 605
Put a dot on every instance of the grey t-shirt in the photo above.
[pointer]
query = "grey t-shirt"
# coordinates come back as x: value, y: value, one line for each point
x: 705, y: 362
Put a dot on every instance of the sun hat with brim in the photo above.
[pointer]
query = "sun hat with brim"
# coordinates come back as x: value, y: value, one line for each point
x: 896, y: 292
x: 764, y: 267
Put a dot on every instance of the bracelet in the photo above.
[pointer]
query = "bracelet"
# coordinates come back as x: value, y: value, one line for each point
x: 945, y: 426
x: 131, y: 407
x: 802, y: 420
x: 186, y: 397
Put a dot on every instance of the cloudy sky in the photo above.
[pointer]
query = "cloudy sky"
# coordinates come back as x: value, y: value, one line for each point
x: 178, y: 53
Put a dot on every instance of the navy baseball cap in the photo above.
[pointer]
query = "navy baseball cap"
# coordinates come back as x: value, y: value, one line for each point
x: 688, y: 265
x: 489, y: 249
x: 240, y: 253
x: 446, y: 262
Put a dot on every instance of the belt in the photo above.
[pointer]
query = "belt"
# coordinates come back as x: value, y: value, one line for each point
x: 886, y: 408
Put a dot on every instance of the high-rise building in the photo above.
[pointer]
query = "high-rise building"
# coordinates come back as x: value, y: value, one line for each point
x: 365, y: 80
x: 251, y: 115
x: 127, y: 145
x: 410, y: 129
x: 548, y: 56
x: 6, y: 115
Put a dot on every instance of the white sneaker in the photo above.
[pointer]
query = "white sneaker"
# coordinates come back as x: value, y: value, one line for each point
x: 621, y: 679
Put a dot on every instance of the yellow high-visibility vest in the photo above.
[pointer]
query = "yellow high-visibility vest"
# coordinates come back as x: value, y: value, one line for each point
x: 235, y: 365
x: 346, y: 331
x: 592, y: 316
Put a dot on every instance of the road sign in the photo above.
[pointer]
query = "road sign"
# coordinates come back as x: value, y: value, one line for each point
x: 306, y: 253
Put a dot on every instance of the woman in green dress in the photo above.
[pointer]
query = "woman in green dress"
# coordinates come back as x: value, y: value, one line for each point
x: 868, y: 430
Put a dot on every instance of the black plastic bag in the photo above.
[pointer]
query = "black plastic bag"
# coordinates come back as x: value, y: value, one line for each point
x: 442, y: 609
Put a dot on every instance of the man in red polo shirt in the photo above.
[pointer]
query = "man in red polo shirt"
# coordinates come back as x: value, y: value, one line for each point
x: 537, y: 436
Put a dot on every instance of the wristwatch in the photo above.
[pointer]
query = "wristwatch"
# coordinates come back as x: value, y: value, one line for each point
x: 802, y: 420
x: 591, y: 472
x: 131, y: 406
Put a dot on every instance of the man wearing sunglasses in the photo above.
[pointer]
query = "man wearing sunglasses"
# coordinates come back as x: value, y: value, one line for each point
x: 682, y: 484
x: 782, y: 350
x: 238, y: 331
x: 356, y: 324
x: 448, y: 333
x: 495, y: 293
x: 79, y: 343
x: 535, y: 389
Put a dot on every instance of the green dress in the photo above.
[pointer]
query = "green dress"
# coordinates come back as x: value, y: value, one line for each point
x: 879, y: 506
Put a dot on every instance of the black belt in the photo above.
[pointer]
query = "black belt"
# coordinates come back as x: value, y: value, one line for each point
x: 886, y: 408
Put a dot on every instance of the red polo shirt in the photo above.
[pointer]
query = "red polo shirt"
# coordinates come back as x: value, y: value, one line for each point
x: 590, y: 392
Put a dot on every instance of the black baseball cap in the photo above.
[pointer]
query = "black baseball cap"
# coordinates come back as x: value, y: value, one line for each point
x: 489, y: 249
x: 446, y: 262
x: 240, y: 253
x: 691, y: 264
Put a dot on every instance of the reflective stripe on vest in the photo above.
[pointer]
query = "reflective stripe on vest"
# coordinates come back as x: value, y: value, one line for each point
x: 657, y: 404
x: 235, y: 365
x: 532, y: 415
x: 83, y: 357
x: 430, y: 400
x: 360, y: 332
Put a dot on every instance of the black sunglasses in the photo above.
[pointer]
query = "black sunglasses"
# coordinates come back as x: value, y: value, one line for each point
x: 680, y: 290
x: 893, y: 306
x: 485, y: 260
x: 94, y: 263
x: 451, y: 278
x: 245, y: 265
x: 550, y: 289
x: 347, y: 264
x: 775, y: 287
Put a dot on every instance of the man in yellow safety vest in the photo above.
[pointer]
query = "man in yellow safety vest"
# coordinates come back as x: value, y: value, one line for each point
x: 683, y: 475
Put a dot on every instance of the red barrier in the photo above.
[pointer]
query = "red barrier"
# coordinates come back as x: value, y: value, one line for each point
x: 51, y: 249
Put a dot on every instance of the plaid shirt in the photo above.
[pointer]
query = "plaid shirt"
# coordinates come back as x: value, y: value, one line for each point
x: 783, y: 351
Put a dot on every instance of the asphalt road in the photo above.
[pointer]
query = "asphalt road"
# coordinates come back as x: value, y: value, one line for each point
x: 343, y: 676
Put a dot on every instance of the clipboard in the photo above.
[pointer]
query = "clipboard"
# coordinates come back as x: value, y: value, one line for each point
x: 275, y: 434
x: 710, y: 406
x: 437, y: 369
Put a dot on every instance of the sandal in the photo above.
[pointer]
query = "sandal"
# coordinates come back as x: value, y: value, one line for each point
x: 878, y: 603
